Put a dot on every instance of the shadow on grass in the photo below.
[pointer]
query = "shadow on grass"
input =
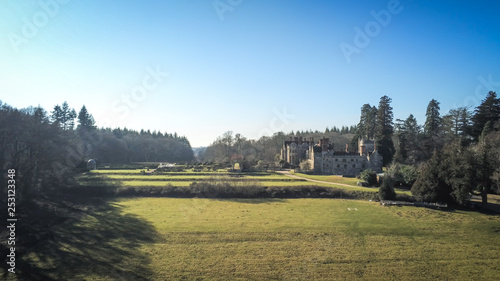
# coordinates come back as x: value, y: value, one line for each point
x: 81, y: 238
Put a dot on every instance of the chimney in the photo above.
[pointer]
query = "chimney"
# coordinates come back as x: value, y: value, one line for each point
x: 374, y: 146
x: 346, y: 147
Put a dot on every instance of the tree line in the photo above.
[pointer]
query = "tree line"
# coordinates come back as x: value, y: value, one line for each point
x: 48, y: 149
x: 446, y: 159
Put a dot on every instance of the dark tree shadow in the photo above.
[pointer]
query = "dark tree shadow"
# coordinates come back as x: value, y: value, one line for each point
x: 70, y: 238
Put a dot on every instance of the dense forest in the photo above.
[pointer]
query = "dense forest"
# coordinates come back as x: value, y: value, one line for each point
x: 47, y: 149
x: 446, y: 159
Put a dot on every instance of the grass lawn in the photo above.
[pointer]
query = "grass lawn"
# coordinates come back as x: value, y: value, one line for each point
x: 263, y: 183
x: 311, y: 239
x: 276, y: 177
x: 131, y: 171
x: 152, y: 183
x: 133, y: 178
x: 268, y: 183
x: 334, y: 179
x: 185, y: 172
x: 268, y: 239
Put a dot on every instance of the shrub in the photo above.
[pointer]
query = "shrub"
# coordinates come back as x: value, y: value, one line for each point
x: 369, y: 177
x: 305, y: 165
x: 402, y: 175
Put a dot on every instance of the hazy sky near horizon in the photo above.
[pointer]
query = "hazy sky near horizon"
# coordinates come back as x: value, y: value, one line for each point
x: 203, y: 67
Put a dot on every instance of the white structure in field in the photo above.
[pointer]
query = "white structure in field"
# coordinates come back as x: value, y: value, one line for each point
x: 91, y: 164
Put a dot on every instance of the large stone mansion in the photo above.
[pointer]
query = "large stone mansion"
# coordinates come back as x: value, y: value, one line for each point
x: 326, y: 161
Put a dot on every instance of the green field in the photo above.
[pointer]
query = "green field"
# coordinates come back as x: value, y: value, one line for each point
x: 268, y: 239
x: 133, y: 178
x: 334, y: 179
x: 273, y: 177
x: 173, y: 182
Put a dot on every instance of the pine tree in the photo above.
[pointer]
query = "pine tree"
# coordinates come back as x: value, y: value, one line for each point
x: 457, y: 123
x: 429, y: 187
x: 457, y: 171
x: 486, y: 162
x: 433, y: 121
x: 85, y: 120
x: 367, y: 122
x: 386, y: 189
x: 64, y: 116
x: 408, y: 134
x: 488, y: 110
x: 385, y: 129
x: 433, y: 129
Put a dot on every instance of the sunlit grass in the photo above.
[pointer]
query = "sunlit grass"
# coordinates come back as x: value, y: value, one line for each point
x: 152, y: 183
x: 131, y: 179
x: 315, y: 239
x: 196, y: 177
x: 334, y: 179
x: 138, y: 183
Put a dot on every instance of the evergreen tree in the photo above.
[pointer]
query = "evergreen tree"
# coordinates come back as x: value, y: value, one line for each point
x: 85, y: 120
x: 488, y: 110
x: 457, y: 171
x: 457, y: 123
x: 408, y: 134
x: 432, y: 139
x: 429, y: 187
x: 384, y: 129
x: 400, y: 153
x: 433, y: 121
x: 367, y: 122
x: 486, y: 163
x: 63, y: 116
x: 386, y: 189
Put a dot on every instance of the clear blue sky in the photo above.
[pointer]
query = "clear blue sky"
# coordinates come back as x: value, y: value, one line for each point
x: 238, y: 69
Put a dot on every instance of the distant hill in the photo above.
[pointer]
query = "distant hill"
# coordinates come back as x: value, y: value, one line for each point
x: 198, y: 150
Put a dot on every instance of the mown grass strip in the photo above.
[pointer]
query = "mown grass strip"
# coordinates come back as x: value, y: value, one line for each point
x: 329, y: 178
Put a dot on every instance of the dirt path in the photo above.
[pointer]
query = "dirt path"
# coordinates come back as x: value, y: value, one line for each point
x: 287, y: 173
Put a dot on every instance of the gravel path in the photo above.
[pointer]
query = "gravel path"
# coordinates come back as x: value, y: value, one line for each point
x: 287, y: 173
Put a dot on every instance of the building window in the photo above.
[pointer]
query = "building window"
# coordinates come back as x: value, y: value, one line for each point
x: 352, y: 160
x: 345, y: 166
x: 338, y: 166
x: 354, y: 165
x: 336, y: 159
x: 343, y: 160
